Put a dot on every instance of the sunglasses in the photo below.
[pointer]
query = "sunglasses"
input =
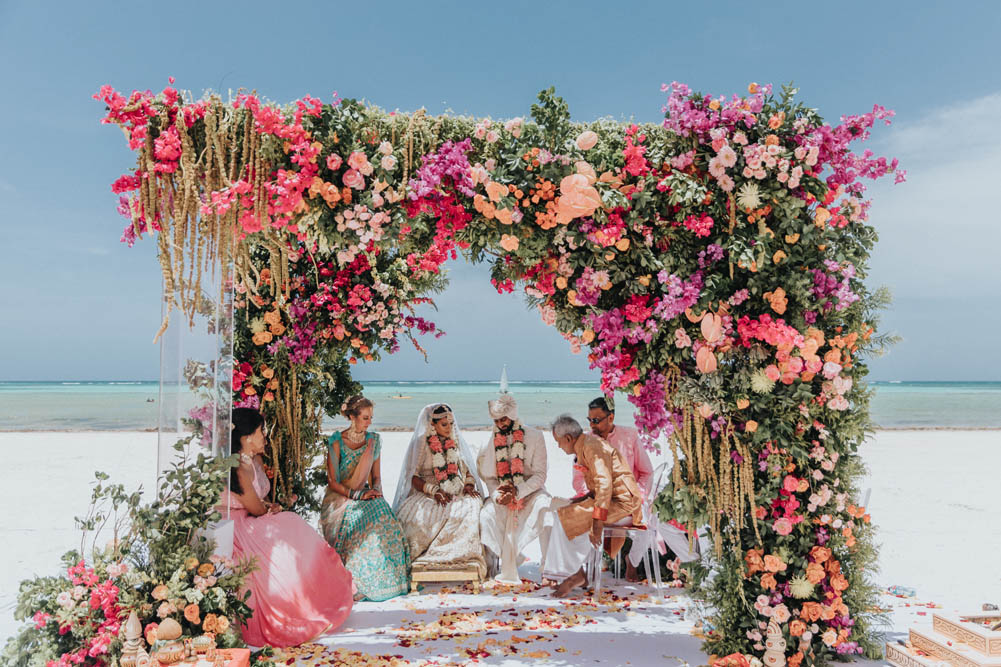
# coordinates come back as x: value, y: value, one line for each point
x: 597, y: 420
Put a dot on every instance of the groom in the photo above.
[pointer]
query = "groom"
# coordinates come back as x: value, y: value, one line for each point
x: 513, y: 467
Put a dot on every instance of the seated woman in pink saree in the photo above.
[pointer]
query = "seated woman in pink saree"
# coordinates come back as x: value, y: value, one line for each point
x: 300, y: 590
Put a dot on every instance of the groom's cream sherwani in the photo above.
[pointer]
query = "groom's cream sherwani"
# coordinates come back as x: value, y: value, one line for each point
x: 498, y: 522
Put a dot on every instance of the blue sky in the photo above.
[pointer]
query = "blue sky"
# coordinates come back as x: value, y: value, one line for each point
x: 77, y: 304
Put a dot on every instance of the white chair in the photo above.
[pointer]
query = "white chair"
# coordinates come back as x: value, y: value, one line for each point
x: 648, y: 533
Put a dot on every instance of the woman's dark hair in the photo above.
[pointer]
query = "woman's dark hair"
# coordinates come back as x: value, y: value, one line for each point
x: 354, y: 405
x: 601, y: 403
x: 245, y: 422
x: 440, y: 412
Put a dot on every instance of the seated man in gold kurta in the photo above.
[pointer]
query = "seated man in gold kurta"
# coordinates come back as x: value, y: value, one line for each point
x: 613, y: 497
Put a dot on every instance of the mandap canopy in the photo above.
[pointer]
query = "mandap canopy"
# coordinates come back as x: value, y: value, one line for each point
x: 712, y: 267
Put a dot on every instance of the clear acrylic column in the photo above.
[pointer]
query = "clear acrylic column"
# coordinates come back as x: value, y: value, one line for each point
x: 196, y: 375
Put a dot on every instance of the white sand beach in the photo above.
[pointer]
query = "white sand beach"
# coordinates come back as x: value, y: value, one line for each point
x: 933, y: 497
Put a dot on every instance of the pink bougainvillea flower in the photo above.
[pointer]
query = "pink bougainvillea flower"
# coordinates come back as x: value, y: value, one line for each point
x: 587, y: 140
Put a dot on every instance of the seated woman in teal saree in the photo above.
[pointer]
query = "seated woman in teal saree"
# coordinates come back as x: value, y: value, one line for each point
x: 355, y: 519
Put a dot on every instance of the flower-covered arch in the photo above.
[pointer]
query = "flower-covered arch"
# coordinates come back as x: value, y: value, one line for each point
x: 712, y: 266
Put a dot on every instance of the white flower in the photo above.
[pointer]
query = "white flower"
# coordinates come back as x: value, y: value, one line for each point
x: 385, y: 148
x: 748, y: 196
x: 438, y: 461
x: 64, y: 599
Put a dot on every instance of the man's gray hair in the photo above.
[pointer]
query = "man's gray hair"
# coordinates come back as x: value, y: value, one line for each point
x: 565, y: 425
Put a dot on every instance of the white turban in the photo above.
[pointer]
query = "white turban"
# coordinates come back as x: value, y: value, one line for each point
x: 505, y: 406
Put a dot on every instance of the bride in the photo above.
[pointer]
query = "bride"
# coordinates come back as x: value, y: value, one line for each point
x: 438, y: 498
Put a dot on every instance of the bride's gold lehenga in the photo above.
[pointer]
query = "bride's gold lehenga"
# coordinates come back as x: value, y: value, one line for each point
x: 442, y: 537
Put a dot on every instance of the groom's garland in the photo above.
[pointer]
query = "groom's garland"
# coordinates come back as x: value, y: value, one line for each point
x: 509, y: 452
x: 445, y: 462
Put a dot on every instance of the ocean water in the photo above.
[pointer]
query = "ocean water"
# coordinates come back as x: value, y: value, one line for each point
x: 121, y: 406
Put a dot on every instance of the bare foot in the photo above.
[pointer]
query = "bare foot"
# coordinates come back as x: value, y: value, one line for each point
x: 570, y: 583
x: 549, y: 583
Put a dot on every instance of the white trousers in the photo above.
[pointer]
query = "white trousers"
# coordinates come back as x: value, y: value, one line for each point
x: 562, y: 556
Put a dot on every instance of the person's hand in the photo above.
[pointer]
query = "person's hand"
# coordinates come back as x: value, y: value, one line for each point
x: 470, y: 490
x: 442, y: 498
x: 597, y: 527
x: 580, y: 499
x: 506, y: 494
x: 371, y: 494
x: 273, y: 508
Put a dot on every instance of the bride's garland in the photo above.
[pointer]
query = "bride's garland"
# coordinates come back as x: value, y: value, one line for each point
x: 445, y: 463
x: 509, y: 452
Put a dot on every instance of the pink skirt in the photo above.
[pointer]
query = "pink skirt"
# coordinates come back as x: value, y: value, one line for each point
x: 301, y: 590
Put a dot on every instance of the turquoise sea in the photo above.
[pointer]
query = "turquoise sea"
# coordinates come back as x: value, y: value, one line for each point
x: 118, y: 406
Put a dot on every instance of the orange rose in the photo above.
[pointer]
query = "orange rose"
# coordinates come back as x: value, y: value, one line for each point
x: 206, y: 569
x: 839, y: 583
x: 578, y: 198
x: 753, y: 561
x: 768, y: 581
x: 495, y: 191
x: 150, y: 633
x: 751, y: 426
x: 160, y: 592
x: 811, y: 612
x: 797, y: 628
x: 777, y: 300
x: 775, y: 122
x: 222, y: 624
x: 820, y: 554
x: 504, y: 216
x: 742, y: 403
x: 192, y: 614
x: 772, y: 140
x: 796, y: 659
x: 815, y: 573
x: 821, y: 216
x: 509, y: 242
x: 774, y: 564
x: 209, y: 624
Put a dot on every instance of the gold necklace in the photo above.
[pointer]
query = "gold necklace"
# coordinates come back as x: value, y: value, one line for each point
x: 354, y: 435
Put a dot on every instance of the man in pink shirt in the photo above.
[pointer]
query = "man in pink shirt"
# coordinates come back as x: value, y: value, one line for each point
x: 625, y: 439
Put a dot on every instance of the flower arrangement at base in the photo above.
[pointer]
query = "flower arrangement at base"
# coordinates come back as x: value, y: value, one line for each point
x: 153, y: 565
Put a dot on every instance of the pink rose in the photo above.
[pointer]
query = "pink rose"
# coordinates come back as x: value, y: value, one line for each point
x: 586, y: 140
x: 440, y: 475
x: 790, y: 484
x: 353, y: 179
x: 386, y: 148
x: 334, y: 162
x: 503, y: 468
x: 492, y: 136
x: 388, y: 163
x: 358, y: 160
x: 452, y: 469
x: 517, y: 466
x: 782, y: 526
x: 519, y: 436
x: 780, y: 613
x: 772, y: 372
x: 500, y: 441
x: 435, y: 444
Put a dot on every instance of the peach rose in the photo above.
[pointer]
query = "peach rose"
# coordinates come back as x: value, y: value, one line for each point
x: 359, y: 162
x: 222, y: 624
x: 774, y: 564
x: 209, y: 624
x: 587, y: 140
x: 205, y: 569
x: 353, y: 179
x: 193, y: 614
x: 388, y: 162
x: 753, y: 561
x: 750, y: 426
x: 780, y: 613
x: 578, y: 198
x: 160, y: 592
x: 815, y: 573
x: 768, y: 581
x: 742, y: 403
x: 509, y: 242
x: 797, y: 628
x: 495, y: 191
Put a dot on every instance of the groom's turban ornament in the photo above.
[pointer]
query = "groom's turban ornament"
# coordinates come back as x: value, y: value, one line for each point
x: 505, y: 406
